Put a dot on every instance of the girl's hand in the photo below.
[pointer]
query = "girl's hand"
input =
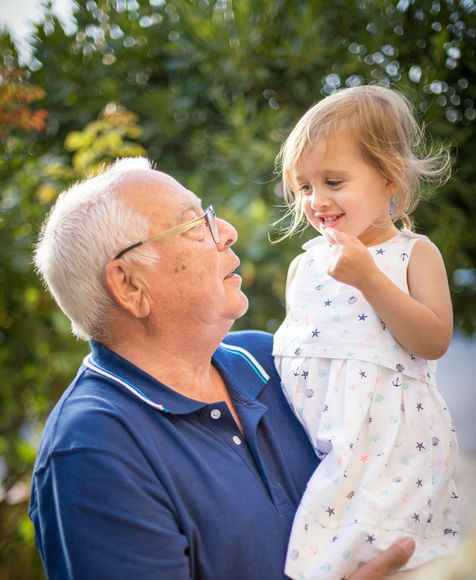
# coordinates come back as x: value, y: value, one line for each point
x: 350, y: 260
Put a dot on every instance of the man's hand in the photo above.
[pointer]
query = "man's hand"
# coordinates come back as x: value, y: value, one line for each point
x: 386, y: 563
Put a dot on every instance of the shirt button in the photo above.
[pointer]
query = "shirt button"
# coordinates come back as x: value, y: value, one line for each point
x: 236, y: 440
x: 215, y: 413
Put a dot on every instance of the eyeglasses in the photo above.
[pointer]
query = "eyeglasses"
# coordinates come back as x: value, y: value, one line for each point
x: 209, y: 217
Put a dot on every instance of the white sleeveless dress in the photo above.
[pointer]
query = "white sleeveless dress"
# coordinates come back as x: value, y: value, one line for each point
x: 374, y: 416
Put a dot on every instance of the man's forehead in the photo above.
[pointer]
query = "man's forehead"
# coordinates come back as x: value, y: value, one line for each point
x: 155, y: 184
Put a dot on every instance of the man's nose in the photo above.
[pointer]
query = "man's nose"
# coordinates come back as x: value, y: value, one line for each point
x: 228, y: 234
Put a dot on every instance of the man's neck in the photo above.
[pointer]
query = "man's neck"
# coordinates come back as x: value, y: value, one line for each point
x: 182, y: 363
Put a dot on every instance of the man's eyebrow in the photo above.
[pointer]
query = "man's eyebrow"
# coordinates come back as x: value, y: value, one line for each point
x: 189, y: 206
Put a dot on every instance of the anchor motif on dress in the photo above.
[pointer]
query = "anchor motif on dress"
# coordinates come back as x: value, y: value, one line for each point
x: 397, y: 383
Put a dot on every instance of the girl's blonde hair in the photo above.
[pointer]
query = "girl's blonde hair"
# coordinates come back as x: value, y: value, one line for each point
x: 382, y: 123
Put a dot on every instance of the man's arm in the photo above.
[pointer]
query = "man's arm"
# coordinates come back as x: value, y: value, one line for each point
x: 100, y: 516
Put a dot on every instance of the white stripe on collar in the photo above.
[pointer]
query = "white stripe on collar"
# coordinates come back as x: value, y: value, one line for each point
x: 250, y: 359
x: 90, y: 364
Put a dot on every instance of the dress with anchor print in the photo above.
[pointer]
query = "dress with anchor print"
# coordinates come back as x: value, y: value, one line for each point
x: 374, y: 416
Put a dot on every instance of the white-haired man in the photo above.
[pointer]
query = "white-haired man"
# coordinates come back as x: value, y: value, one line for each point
x: 173, y: 454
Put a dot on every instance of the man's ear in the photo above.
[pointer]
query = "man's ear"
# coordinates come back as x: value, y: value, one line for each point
x: 126, y: 287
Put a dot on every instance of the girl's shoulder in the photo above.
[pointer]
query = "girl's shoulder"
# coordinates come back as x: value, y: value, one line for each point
x: 410, y: 235
x: 404, y: 242
x: 419, y: 243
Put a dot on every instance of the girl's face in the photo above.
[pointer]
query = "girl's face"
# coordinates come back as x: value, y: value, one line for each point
x: 341, y: 190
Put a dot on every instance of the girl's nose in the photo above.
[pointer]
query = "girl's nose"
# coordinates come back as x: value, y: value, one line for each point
x: 318, y: 199
x: 228, y: 234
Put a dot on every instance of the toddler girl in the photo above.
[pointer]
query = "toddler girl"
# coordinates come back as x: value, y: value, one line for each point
x: 368, y: 312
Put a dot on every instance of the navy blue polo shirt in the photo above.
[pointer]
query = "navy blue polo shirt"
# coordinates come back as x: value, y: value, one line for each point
x: 134, y: 480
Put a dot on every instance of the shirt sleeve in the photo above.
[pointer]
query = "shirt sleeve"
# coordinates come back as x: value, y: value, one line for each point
x: 98, y: 516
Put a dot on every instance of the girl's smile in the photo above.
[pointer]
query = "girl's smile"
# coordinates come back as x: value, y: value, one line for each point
x: 328, y: 221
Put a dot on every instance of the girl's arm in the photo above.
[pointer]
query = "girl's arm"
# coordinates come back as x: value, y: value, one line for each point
x: 422, y: 322
x: 291, y: 273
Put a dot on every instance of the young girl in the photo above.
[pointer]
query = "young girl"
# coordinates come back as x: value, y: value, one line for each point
x: 368, y: 312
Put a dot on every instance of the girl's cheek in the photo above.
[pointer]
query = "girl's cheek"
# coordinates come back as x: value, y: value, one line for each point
x: 315, y: 223
x: 307, y: 208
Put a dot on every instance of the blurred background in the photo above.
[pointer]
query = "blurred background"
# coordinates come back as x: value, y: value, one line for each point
x: 208, y: 89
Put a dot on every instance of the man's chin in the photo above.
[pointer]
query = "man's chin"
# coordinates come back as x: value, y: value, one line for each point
x: 241, y: 309
x: 244, y: 307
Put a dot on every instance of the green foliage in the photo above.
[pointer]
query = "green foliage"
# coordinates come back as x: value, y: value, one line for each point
x: 208, y: 89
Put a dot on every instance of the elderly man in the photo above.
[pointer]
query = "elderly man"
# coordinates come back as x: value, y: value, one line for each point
x: 173, y: 454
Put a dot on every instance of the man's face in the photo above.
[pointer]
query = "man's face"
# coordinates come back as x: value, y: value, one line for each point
x: 194, y: 280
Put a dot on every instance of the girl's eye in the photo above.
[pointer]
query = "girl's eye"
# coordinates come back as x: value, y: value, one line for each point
x: 305, y: 189
x: 333, y: 183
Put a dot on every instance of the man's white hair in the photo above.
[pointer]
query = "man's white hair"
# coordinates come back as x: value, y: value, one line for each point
x: 88, y: 225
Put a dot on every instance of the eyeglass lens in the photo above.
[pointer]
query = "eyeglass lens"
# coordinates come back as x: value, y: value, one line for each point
x: 212, y: 224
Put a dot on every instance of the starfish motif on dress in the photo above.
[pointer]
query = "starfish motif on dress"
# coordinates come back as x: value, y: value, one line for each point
x: 420, y: 446
x: 370, y: 538
x: 416, y: 517
x: 363, y: 316
x: 363, y: 374
x: 419, y: 407
x: 316, y: 333
x: 327, y: 302
x: 381, y: 251
x: 419, y: 483
x: 330, y: 511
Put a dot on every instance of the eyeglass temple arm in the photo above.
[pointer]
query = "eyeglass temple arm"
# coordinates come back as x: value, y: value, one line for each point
x: 133, y: 247
x: 176, y: 230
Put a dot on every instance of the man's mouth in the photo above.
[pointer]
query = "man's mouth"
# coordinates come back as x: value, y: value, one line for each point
x: 233, y: 272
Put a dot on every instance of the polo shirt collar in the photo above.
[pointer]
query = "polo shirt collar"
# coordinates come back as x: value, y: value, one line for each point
x: 239, y: 370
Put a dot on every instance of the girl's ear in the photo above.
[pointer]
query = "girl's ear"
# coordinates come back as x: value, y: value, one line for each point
x: 391, y: 187
x: 126, y: 287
